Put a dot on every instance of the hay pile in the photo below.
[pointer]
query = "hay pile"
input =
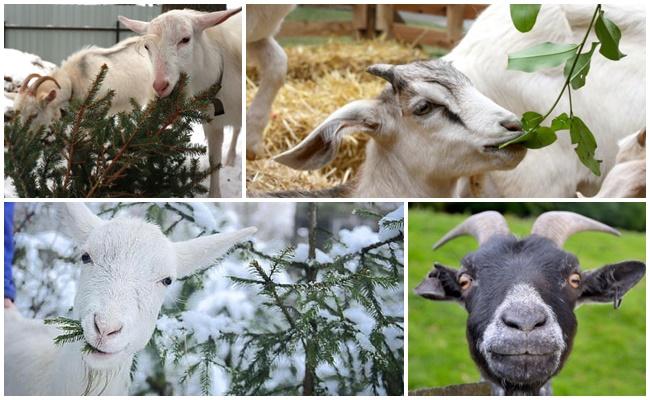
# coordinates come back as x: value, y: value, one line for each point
x: 320, y: 80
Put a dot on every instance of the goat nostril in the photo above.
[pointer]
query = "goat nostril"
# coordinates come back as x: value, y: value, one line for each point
x: 95, y: 324
x: 115, y: 332
x: 525, y: 321
x: 541, y: 322
x: 512, y: 125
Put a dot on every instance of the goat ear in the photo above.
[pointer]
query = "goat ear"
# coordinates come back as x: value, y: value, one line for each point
x: 640, y: 137
x: 321, y: 145
x: 80, y: 221
x: 208, y: 20
x: 440, y: 284
x: 197, y: 254
x: 134, y: 25
x: 611, y: 282
x: 48, y: 98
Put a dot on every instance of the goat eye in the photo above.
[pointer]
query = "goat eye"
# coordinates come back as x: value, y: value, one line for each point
x: 167, y: 281
x: 146, y: 47
x: 85, y: 258
x: 465, y: 281
x: 574, y: 280
x: 184, y: 40
x: 423, y: 108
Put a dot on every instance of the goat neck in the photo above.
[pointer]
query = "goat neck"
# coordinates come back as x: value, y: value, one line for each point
x: 388, y: 173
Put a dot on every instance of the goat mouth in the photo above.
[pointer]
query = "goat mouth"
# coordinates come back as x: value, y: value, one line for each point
x: 97, y: 352
x: 525, y: 367
x: 496, y: 146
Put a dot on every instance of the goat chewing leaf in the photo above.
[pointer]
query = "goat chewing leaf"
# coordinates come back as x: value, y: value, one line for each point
x: 581, y: 69
x: 586, y: 144
x: 609, y: 35
x: 524, y: 16
x: 544, y: 55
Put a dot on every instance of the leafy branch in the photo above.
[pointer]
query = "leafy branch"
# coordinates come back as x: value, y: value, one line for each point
x: 576, y: 67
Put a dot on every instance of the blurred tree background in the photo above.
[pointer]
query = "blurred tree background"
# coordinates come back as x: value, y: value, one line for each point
x: 630, y: 216
x: 608, y: 356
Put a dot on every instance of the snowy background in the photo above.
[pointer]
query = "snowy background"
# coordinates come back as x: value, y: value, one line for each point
x: 17, y: 65
x: 46, y: 270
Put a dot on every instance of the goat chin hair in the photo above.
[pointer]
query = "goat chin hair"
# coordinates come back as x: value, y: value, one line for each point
x: 97, y: 380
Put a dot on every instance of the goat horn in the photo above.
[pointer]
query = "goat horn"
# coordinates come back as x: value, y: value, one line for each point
x: 39, y: 81
x: 384, y: 71
x: 25, y: 83
x: 481, y: 226
x: 558, y: 226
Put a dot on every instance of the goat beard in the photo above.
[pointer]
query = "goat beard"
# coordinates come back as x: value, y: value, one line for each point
x: 97, y: 380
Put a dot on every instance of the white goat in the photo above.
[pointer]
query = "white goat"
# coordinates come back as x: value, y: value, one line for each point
x: 429, y: 127
x: 262, y: 23
x: 127, y: 266
x: 207, y: 47
x: 627, y: 178
x: 129, y: 75
x: 612, y: 103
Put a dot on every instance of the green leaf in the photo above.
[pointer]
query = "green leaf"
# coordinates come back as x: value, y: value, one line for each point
x: 537, y: 138
x: 581, y: 69
x: 544, y: 55
x: 586, y: 145
x: 524, y: 16
x: 610, y: 36
x: 530, y: 120
x: 561, y: 122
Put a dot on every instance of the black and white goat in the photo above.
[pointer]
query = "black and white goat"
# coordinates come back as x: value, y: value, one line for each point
x: 520, y: 295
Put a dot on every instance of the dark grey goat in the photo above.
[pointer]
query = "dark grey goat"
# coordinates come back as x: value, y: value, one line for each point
x: 520, y: 295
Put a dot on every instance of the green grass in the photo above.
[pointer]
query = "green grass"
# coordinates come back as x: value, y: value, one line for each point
x: 608, y: 357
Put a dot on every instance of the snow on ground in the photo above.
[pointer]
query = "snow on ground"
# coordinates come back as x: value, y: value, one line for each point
x: 231, y: 176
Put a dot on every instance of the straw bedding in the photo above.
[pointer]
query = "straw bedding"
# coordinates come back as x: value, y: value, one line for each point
x: 320, y: 79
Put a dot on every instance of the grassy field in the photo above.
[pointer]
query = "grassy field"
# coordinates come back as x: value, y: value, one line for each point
x: 608, y: 357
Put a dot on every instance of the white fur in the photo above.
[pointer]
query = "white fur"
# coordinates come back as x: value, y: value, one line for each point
x: 118, y: 299
x: 612, y: 103
x: 129, y: 75
x: 262, y: 23
x: 213, y: 42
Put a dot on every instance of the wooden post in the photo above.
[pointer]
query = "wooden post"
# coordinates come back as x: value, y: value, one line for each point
x: 385, y: 19
x: 455, y: 18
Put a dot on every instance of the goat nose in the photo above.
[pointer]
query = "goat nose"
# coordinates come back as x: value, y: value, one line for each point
x: 160, y: 86
x: 104, y: 328
x: 524, y: 319
x: 512, y: 125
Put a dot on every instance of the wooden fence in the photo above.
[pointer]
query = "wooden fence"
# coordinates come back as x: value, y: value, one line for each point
x: 370, y: 20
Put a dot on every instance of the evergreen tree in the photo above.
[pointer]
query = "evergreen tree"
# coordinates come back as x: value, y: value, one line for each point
x: 88, y: 153
x: 322, y: 317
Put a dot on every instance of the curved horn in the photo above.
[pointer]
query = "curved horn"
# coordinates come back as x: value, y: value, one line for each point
x: 481, y: 226
x: 559, y: 225
x: 25, y: 83
x: 39, y: 81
